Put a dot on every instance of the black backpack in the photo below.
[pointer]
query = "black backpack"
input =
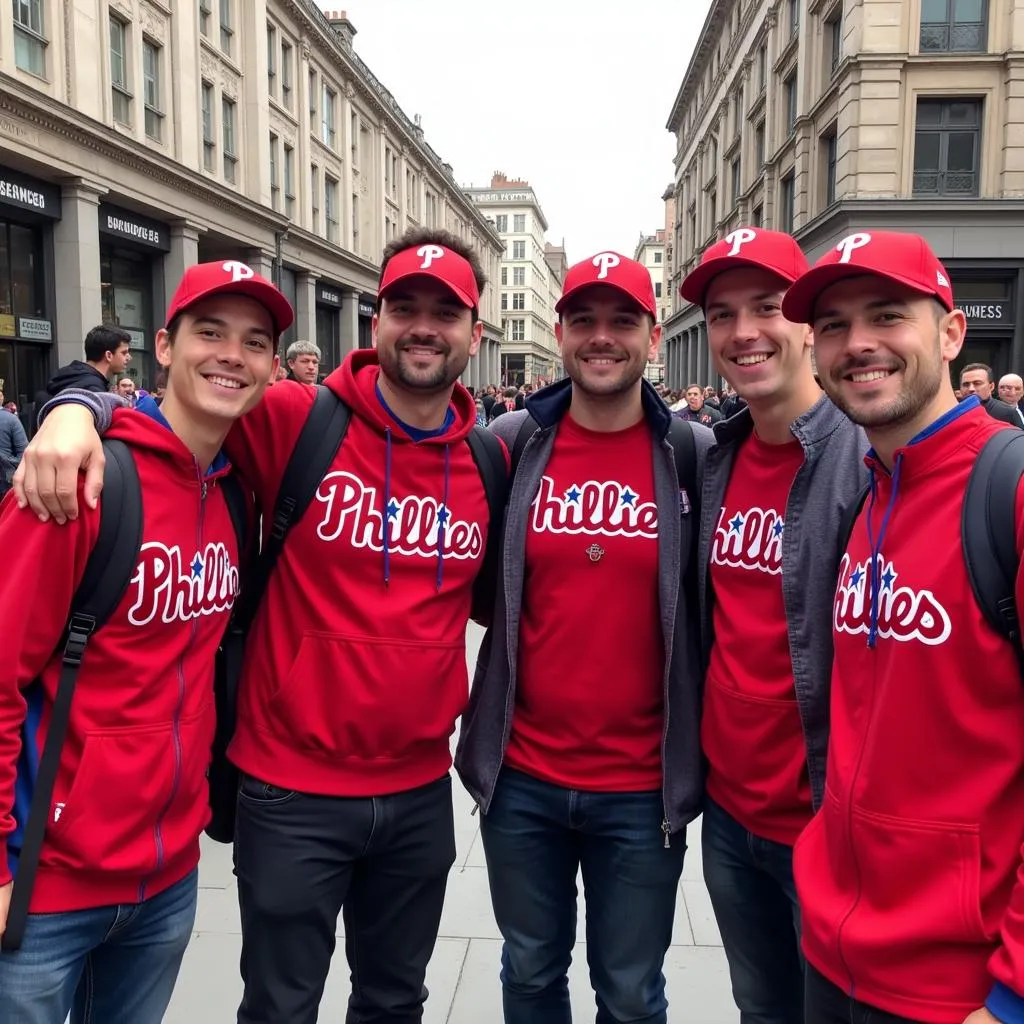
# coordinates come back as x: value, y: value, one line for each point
x: 315, y: 449
x: 108, y: 573
x: 988, y: 530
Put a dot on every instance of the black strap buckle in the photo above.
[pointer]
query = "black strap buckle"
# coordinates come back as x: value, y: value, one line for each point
x: 80, y: 629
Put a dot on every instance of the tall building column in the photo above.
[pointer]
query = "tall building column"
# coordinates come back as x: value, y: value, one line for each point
x: 76, y: 267
x: 184, y: 254
x: 349, y: 322
x: 305, y: 307
x: 261, y: 261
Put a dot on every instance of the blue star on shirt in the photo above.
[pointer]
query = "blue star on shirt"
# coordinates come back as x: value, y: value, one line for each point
x: 196, y: 567
x: 888, y: 578
x: 736, y: 523
x: 628, y: 497
x: 392, y: 508
x: 778, y: 527
x: 857, y: 576
x: 442, y: 515
x: 573, y: 494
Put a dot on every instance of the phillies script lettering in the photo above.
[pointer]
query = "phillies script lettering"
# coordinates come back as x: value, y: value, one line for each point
x: 606, y: 509
x: 414, y: 523
x: 165, y: 588
x: 903, y: 613
x: 749, y: 540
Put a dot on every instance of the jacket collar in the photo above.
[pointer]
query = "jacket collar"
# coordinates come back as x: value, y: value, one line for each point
x: 818, y: 423
x: 551, y: 403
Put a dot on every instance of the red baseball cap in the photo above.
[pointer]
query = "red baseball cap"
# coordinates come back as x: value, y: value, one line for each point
x: 614, y: 270
x: 903, y: 258
x: 237, y: 278
x: 438, y: 262
x: 773, y: 251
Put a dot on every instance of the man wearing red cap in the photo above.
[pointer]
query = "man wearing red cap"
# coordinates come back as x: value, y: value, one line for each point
x: 581, y: 740
x: 114, y: 899
x: 776, y: 481
x: 355, y: 671
x: 910, y: 875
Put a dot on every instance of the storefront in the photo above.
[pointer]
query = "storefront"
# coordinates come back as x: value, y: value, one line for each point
x: 28, y: 210
x: 132, y: 249
x: 367, y: 305
x: 328, y: 324
x: 989, y: 304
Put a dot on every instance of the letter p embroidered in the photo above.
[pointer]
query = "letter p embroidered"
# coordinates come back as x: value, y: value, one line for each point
x: 605, y: 260
x: 851, y: 243
x: 429, y: 253
x: 238, y: 271
x: 738, y: 239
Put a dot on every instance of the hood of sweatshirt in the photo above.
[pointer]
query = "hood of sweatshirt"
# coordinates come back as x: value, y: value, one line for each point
x: 77, y: 375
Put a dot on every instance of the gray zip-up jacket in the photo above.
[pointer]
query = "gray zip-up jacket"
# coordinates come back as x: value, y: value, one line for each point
x: 832, y: 476
x: 12, y: 446
x: 487, y: 722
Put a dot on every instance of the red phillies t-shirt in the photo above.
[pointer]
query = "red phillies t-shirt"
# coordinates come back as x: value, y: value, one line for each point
x: 751, y: 730
x: 589, y: 704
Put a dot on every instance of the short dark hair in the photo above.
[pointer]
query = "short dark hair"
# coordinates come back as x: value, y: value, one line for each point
x: 979, y: 366
x: 415, y: 237
x: 103, y: 339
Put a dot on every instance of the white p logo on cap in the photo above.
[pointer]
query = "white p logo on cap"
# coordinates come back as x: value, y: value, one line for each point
x: 605, y: 260
x: 429, y: 254
x: 849, y: 245
x: 238, y: 271
x: 738, y: 239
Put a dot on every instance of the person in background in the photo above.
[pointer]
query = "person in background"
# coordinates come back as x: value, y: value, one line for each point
x: 696, y: 409
x: 303, y: 359
x: 509, y: 402
x: 977, y: 379
x: 12, y: 444
x: 126, y: 389
x: 1011, y: 391
x: 481, y: 413
x: 107, y: 354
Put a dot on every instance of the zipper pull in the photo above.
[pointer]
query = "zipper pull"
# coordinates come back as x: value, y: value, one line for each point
x: 203, y: 492
x: 667, y: 829
x: 472, y: 813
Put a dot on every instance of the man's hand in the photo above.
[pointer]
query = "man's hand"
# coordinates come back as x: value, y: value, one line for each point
x: 982, y: 1016
x: 47, y: 479
x: 5, y: 904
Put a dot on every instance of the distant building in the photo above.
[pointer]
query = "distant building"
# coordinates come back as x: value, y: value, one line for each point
x: 650, y: 251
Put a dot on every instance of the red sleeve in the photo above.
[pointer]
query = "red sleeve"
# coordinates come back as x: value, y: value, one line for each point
x: 261, y: 442
x: 43, y: 564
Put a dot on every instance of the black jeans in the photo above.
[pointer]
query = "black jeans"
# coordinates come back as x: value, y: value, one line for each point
x: 828, y: 1004
x: 301, y: 859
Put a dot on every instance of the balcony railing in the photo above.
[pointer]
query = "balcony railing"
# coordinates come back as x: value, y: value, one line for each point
x: 945, y: 183
x: 961, y: 37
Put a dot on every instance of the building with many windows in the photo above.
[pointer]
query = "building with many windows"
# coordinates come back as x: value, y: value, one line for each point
x: 138, y: 137
x: 530, y: 281
x: 650, y: 251
x: 825, y: 117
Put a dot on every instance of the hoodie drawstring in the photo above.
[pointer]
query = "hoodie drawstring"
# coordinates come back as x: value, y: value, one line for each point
x: 387, y: 506
x: 442, y: 519
x: 875, y: 575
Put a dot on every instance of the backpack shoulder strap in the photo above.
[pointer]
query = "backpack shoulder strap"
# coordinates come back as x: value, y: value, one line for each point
x: 489, y: 455
x: 108, y: 572
x: 238, y: 509
x: 847, y: 520
x: 314, y: 451
x: 680, y: 436
x: 989, y: 530
x: 527, y: 429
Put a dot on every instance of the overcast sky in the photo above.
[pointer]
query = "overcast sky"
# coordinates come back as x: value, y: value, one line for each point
x: 572, y: 95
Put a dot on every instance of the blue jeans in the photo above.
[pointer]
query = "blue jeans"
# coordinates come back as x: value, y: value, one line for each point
x: 110, y: 965
x: 752, y: 891
x: 536, y: 837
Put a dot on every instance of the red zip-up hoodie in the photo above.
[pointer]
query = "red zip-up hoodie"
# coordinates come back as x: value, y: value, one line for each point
x: 355, y: 669
x: 910, y: 877
x: 131, y: 797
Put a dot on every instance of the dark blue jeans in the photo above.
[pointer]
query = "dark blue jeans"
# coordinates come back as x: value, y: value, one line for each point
x: 111, y: 965
x: 752, y: 891
x: 536, y: 838
x: 827, y: 1004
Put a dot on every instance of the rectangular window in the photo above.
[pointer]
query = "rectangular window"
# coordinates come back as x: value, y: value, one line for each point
x: 312, y: 98
x: 501, y: 223
x: 275, y: 180
x: 327, y: 105
x: 209, y: 139
x: 787, y: 203
x: 712, y: 209
x: 354, y: 129
x: 227, y: 114
x: 518, y: 330
x: 272, y: 60
x: 791, y: 102
x: 205, y: 11
x: 519, y: 276
x: 394, y: 176
x: 289, y: 180
x: 519, y: 222
x: 314, y: 193
x: 947, y: 147
x: 794, y: 18
x: 762, y: 67
x: 504, y: 275
x: 504, y: 300
x: 657, y: 256
x: 287, y: 58
x: 151, y: 90
x: 759, y: 153
x: 830, y: 169
x: 121, y: 96
x: 355, y: 223
x: 519, y: 250
x: 834, y: 41
x: 227, y: 23
x: 657, y: 289
x: 331, y: 208
x: 519, y: 300
x: 758, y: 218
x: 29, y: 41
x: 736, y: 175
x: 954, y: 26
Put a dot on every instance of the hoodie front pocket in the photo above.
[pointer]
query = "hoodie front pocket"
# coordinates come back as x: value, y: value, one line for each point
x: 368, y: 697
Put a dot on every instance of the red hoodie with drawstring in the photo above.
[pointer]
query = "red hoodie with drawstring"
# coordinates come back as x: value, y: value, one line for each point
x: 131, y: 797
x: 355, y: 669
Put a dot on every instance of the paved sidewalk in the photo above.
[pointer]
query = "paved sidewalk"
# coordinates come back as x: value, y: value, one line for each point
x: 463, y: 974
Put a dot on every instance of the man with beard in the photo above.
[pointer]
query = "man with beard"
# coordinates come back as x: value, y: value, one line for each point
x: 910, y: 878
x: 595, y: 650
x: 355, y: 671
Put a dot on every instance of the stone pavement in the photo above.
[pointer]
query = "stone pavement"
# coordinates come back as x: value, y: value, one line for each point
x: 463, y: 974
